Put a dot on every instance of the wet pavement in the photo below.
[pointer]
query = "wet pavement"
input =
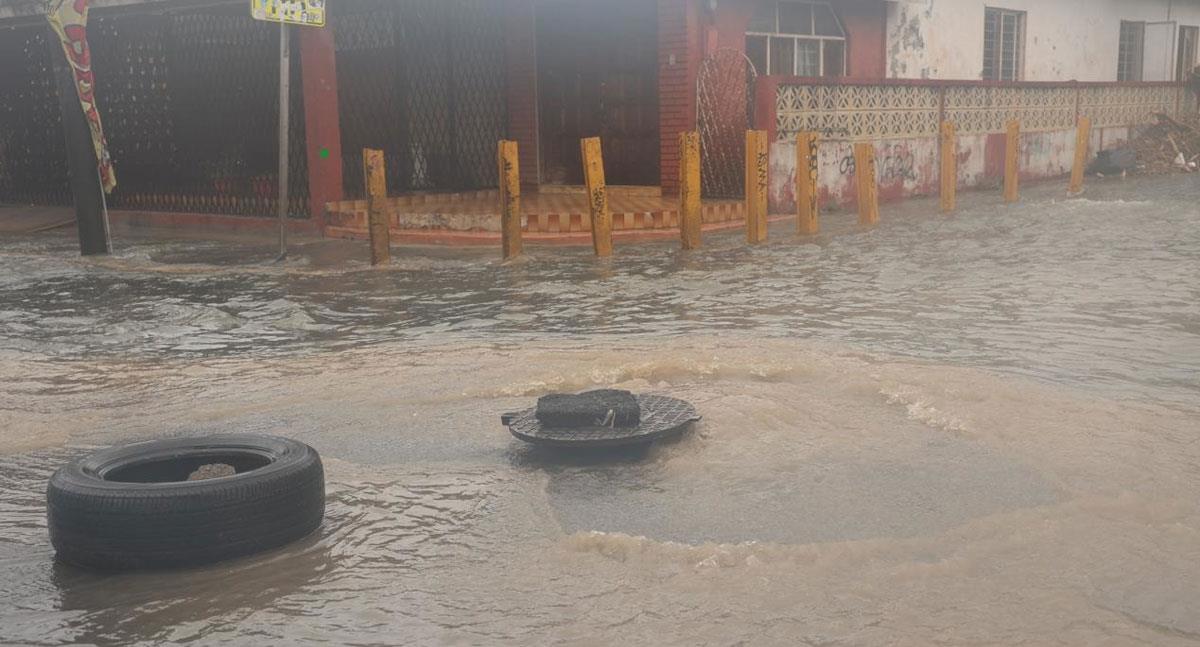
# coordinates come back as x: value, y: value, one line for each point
x: 978, y: 428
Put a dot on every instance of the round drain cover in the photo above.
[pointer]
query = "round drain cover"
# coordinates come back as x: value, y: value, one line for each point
x: 661, y: 416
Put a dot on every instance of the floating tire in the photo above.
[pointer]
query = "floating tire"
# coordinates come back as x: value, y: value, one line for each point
x: 133, y: 507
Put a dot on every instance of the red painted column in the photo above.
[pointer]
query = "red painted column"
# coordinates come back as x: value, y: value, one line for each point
x: 766, y: 89
x: 729, y: 24
x: 679, y: 55
x: 866, y: 35
x: 318, y: 65
x: 520, y: 45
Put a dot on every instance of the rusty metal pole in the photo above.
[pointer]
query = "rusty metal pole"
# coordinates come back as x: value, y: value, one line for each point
x: 689, y: 189
x: 1012, y: 145
x: 510, y: 199
x: 868, y: 190
x: 375, y: 178
x: 808, y: 216
x: 593, y: 177
x: 1082, y: 136
x: 949, y: 169
x: 756, y: 186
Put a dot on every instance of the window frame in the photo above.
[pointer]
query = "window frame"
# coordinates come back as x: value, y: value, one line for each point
x: 1184, y: 67
x: 994, y: 59
x: 820, y: 40
x: 1138, y: 61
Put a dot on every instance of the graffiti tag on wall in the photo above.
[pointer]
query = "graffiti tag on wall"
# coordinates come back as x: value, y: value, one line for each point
x: 896, y: 163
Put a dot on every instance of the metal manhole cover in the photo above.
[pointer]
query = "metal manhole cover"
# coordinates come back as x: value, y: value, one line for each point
x: 661, y: 416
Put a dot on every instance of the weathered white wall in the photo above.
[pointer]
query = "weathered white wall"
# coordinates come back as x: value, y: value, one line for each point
x: 1064, y: 39
x: 909, y: 167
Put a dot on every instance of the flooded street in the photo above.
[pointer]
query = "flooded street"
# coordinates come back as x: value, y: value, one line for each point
x: 977, y: 429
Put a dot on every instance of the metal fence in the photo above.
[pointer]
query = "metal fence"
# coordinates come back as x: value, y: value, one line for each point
x: 189, y: 101
x: 724, y: 110
x: 33, y: 159
x: 190, y: 104
x: 424, y: 81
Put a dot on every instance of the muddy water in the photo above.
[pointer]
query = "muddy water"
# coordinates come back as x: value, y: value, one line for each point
x: 970, y: 430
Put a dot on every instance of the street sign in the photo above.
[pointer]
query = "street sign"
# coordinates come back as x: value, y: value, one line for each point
x: 310, y: 13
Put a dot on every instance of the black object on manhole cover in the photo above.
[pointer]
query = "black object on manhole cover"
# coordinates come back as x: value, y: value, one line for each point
x: 661, y: 416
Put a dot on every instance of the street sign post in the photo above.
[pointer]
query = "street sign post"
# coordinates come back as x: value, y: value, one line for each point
x: 309, y: 13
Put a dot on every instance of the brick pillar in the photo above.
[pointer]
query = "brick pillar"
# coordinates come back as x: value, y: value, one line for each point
x: 679, y: 54
x: 322, y: 128
x: 521, y: 67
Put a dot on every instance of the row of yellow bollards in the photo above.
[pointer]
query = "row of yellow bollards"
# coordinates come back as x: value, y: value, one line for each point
x: 756, y: 179
x: 597, y: 195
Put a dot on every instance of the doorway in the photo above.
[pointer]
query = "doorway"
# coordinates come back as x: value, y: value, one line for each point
x: 598, y: 76
x: 1186, y: 59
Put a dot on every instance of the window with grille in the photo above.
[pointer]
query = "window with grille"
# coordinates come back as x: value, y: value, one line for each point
x: 1003, y: 45
x: 797, y: 38
x: 1129, y: 51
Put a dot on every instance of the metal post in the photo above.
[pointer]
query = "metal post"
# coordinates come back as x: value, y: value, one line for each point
x: 1012, y: 145
x: 87, y: 191
x: 284, y: 69
x: 808, y: 205
x: 868, y: 189
x: 104, y: 211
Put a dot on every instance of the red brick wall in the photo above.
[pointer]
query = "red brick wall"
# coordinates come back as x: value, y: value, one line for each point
x: 521, y: 64
x: 679, y: 54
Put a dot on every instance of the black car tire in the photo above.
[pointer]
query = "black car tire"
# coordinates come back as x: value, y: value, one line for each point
x: 132, y: 507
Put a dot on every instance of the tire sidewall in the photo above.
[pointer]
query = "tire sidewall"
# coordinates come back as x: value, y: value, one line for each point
x: 105, y: 524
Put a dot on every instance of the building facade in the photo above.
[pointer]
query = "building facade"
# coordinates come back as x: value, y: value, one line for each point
x: 1043, y: 40
x: 187, y: 90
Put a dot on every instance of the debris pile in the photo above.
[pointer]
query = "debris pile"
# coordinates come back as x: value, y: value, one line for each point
x: 212, y: 471
x: 1170, y: 145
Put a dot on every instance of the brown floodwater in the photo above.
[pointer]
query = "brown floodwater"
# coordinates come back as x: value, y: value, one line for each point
x: 975, y: 429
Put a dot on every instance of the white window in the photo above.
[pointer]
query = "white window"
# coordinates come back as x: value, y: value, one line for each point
x: 796, y: 38
x: 1129, y: 51
x: 1003, y: 45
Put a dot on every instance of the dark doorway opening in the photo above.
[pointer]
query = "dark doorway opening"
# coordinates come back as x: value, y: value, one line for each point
x: 1186, y: 56
x: 598, y: 76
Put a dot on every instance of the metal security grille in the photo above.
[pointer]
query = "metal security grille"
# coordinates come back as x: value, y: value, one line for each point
x: 423, y: 80
x: 189, y: 101
x: 1129, y: 51
x: 190, y: 104
x: 33, y: 161
x: 724, y: 110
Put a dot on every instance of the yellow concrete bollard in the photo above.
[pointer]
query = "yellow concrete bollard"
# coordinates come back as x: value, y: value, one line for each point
x: 949, y: 187
x: 1082, y: 137
x: 868, y: 190
x: 689, y: 189
x: 510, y: 198
x: 375, y: 178
x: 593, y: 179
x: 808, y: 218
x: 1012, y: 145
x: 756, y: 186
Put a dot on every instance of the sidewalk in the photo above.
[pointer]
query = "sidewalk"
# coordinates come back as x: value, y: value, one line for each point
x: 27, y: 219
